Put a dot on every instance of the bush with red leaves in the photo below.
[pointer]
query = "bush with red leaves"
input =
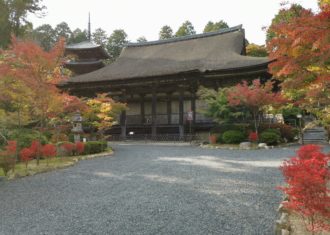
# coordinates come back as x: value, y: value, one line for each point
x: 306, y: 175
x: 69, y: 148
x: 26, y: 155
x: 48, y: 150
x: 80, y: 147
x: 253, y: 137
x: 11, y: 147
x: 35, y: 148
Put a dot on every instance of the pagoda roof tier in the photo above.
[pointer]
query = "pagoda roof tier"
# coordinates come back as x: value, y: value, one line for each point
x: 86, y: 50
x: 219, y: 51
x: 81, y: 67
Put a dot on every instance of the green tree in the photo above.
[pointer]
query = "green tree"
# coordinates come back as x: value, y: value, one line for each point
x: 62, y: 30
x: 256, y: 50
x: 18, y: 12
x: 78, y: 36
x: 100, y: 37
x: 284, y: 16
x: 166, y: 32
x: 142, y: 39
x: 218, y: 107
x: 5, y: 28
x: 211, y: 27
x: 185, y: 29
x: 13, y: 18
x: 115, y: 44
x: 45, y: 36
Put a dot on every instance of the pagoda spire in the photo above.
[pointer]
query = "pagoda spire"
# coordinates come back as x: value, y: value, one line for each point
x: 89, y: 26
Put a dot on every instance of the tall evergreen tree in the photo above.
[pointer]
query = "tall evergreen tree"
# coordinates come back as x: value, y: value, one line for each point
x: 13, y: 18
x: 62, y: 30
x: 5, y: 27
x: 166, y: 32
x: 185, y: 29
x: 45, y: 36
x: 211, y: 27
x: 142, y: 39
x: 100, y: 37
x: 116, y: 42
x: 78, y: 36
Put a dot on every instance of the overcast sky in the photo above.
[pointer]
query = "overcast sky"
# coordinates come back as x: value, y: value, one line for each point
x: 146, y: 17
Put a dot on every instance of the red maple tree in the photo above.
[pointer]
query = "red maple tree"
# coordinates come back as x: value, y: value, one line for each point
x: 301, y: 51
x: 306, y: 175
x: 29, y: 77
x: 254, y: 97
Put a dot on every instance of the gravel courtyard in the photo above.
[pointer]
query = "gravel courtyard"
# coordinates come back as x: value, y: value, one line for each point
x: 145, y: 189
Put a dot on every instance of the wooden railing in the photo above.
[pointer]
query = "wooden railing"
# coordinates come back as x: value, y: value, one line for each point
x: 162, y: 119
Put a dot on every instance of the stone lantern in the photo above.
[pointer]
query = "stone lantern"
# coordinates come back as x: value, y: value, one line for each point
x: 77, y: 126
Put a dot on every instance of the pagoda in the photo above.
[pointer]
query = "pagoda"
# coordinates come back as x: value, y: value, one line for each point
x: 85, y: 57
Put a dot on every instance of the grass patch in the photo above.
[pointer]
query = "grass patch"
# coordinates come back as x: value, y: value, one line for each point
x: 33, y: 168
x: 53, y: 164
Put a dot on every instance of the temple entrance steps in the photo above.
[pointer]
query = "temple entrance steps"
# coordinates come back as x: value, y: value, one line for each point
x: 315, y: 135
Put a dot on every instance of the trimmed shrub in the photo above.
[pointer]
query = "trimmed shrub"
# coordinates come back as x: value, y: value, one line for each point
x: 269, y: 137
x: 286, y: 131
x: 244, y: 128
x: 219, y: 138
x: 92, y: 147
x: 233, y: 137
x: 276, y: 131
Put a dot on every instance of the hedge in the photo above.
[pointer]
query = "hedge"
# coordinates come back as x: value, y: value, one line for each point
x: 269, y: 137
x: 233, y: 137
x: 92, y: 147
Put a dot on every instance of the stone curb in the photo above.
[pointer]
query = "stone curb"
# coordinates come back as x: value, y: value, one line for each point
x: 151, y: 143
x: 282, y: 225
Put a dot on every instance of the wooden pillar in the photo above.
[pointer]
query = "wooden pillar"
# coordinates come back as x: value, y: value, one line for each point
x: 154, y: 113
x: 123, y: 124
x: 193, y: 107
x: 181, y: 114
x: 169, y: 108
x: 123, y: 121
x: 142, y: 111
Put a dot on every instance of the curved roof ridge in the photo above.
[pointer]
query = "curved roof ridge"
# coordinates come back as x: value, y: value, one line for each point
x: 184, y: 38
x: 82, y: 45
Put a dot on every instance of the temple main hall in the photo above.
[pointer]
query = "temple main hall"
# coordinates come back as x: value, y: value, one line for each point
x: 159, y: 80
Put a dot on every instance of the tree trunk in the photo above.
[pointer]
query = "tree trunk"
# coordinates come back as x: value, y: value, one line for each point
x: 255, y: 121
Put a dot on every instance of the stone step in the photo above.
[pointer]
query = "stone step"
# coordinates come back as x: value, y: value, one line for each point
x: 315, y: 135
x: 315, y: 130
x: 315, y: 142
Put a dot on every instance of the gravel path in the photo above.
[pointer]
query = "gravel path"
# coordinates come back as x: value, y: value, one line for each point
x: 150, y: 190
